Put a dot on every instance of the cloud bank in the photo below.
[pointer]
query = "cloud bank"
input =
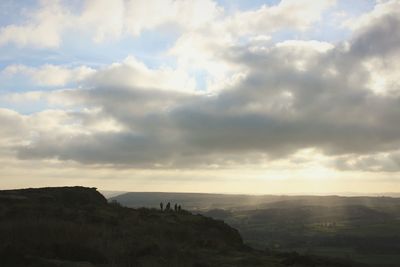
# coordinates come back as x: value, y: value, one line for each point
x: 264, y: 99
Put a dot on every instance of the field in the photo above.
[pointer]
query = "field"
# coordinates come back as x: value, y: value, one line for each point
x: 355, y: 232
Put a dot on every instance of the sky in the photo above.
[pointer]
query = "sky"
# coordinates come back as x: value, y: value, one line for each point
x: 255, y: 97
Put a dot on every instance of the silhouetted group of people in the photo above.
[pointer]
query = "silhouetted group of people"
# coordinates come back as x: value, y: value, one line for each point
x: 168, y: 207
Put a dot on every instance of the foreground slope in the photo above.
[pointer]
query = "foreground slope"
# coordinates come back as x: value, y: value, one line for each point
x: 75, y: 226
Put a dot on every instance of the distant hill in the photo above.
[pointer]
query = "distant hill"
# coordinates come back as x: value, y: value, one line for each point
x: 191, y: 201
x: 202, y: 201
x: 76, y: 226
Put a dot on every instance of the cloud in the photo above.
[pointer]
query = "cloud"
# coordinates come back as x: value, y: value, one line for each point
x: 47, y: 26
x: 202, y: 49
x: 48, y: 75
x: 275, y: 111
x: 133, y: 73
x: 188, y: 15
x: 102, y: 20
x: 288, y: 14
x: 14, y: 129
x: 129, y: 72
x: 384, y: 29
x: 376, y: 32
x: 275, y: 99
x: 380, y: 10
x: 42, y: 29
x: 380, y: 162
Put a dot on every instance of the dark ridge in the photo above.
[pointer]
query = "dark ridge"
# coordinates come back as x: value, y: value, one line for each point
x: 68, y: 196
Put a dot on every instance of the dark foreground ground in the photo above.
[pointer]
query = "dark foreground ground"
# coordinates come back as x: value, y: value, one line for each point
x: 76, y: 226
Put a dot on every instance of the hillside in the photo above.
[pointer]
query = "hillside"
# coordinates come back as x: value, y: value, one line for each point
x: 365, y: 229
x: 75, y: 226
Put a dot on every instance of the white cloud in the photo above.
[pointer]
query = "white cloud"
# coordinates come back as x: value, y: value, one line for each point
x: 204, y: 49
x: 42, y: 29
x: 26, y: 97
x: 381, y: 9
x: 109, y: 20
x: 133, y: 73
x: 385, y: 73
x: 105, y: 20
x: 203, y: 52
x: 52, y: 124
x: 49, y: 75
x: 304, y: 46
x: 289, y: 14
x: 188, y: 15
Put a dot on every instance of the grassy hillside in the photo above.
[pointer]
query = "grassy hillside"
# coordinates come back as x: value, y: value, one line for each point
x: 76, y: 226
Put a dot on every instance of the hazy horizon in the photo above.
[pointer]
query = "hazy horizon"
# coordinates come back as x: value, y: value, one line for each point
x: 111, y: 193
x: 252, y: 97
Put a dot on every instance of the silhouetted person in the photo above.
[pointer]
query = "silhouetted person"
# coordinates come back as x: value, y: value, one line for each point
x: 168, y: 207
x: 176, y: 207
x: 161, y: 206
x: 179, y: 208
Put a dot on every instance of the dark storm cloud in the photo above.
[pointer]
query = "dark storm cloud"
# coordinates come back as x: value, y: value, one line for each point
x: 124, y: 148
x: 290, y: 99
